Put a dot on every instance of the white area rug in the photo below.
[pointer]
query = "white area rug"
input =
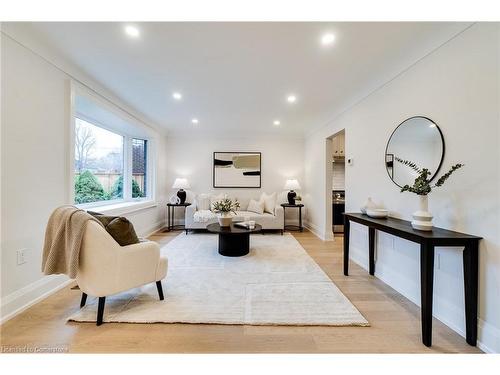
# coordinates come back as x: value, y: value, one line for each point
x: 278, y: 283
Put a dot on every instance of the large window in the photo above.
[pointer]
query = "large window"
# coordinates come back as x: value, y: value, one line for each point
x: 108, y: 167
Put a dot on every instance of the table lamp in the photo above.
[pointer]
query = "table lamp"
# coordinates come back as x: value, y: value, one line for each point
x: 291, y: 185
x: 181, y: 184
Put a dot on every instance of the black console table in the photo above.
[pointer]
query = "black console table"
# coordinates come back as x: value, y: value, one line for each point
x: 427, y: 240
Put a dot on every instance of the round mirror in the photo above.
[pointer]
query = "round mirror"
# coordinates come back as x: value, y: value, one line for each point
x: 417, y: 140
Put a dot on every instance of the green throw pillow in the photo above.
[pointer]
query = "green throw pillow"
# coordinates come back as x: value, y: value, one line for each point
x: 120, y: 228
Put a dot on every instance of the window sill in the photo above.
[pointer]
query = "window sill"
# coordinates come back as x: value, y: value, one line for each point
x: 123, y: 208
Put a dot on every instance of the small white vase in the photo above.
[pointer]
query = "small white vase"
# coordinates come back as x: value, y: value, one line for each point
x: 369, y: 205
x: 225, y: 219
x: 422, y: 219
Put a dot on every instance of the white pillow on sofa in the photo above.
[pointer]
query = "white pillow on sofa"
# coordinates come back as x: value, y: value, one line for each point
x: 254, y: 206
x: 269, y: 202
x: 203, y: 202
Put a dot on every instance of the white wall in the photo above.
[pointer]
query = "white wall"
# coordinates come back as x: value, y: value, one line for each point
x: 191, y: 157
x: 458, y: 87
x: 35, y: 175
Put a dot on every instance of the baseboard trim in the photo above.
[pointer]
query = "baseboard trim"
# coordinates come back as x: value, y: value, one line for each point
x: 314, y: 230
x: 488, y: 336
x: 153, y: 229
x: 22, y: 299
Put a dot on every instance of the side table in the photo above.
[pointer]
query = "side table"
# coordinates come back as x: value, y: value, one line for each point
x: 299, y: 227
x: 170, y: 215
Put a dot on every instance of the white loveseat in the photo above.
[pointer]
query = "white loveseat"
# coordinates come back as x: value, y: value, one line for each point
x: 268, y: 221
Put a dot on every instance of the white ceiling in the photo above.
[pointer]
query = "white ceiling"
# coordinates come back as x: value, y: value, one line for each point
x: 234, y: 77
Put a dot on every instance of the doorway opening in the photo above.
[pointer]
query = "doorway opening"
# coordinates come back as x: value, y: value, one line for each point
x: 335, y: 182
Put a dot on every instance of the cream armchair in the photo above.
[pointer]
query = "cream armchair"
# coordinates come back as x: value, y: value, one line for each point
x: 106, y: 268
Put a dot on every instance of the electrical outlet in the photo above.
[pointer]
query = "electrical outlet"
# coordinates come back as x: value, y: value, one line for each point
x: 21, y: 256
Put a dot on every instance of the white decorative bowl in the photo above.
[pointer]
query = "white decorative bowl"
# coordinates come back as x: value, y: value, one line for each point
x: 378, y: 213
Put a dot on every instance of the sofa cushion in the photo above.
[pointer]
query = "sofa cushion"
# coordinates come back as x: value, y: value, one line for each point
x: 269, y: 202
x: 265, y: 219
x: 203, y: 216
x: 203, y: 202
x: 254, y: 206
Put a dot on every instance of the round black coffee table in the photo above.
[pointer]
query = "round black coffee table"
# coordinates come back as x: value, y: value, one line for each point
x: 234, y: 241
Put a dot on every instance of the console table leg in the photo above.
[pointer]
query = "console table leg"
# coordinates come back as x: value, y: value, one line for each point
x: 470, y: 259
x: 371, y: 247
x: 346, y: 246
x: 426, y: 290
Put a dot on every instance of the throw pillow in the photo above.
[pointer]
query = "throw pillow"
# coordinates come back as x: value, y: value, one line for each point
x: 120, y: 228
x: 269, y: 202
x: 254, y: 206
x: 203, y: 202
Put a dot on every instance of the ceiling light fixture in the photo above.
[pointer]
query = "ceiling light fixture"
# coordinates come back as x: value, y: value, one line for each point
x: 195, y: 121
x: 276, y: 123
x: 327, y: 39
x: 132, y: 31
x: 291, y: 98
x: 177, y: 95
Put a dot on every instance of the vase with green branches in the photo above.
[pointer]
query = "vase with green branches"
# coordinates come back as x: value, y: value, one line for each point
x: 422, y: 186
x: 224, y: 208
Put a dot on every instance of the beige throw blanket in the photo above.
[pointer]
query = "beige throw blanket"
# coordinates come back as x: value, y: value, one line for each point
x: 63, y: 239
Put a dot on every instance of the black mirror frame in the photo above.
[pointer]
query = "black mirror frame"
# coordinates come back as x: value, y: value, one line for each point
x: 394, y: 131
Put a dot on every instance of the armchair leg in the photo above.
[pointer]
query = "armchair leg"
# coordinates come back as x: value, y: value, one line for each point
x: 160, y: 290
x: 83, y: 300
x: 100, y: 310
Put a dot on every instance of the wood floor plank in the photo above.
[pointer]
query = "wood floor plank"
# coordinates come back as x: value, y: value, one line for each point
x: 395, y: 323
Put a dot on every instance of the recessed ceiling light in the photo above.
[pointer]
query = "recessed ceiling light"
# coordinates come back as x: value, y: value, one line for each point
x: 177, y: 95
x: 195, y: 121
x: 291, y: 98
x: 132, y: 31
x: 327, y: 39
x: 276, y: 123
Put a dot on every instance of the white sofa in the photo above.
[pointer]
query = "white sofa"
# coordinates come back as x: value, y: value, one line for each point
x: 266, y: 220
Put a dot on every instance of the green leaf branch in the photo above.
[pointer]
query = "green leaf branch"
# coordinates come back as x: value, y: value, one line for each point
x: 422, y: 184
x: 225, y: 205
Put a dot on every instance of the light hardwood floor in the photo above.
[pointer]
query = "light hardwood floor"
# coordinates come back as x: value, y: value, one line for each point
x: 395, y: 323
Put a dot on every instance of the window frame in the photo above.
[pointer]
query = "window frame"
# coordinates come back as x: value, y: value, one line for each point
x: 147, y: 166
x: 127, y: 199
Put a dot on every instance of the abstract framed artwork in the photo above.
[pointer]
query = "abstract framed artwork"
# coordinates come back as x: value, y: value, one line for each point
x: 237, y: 170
